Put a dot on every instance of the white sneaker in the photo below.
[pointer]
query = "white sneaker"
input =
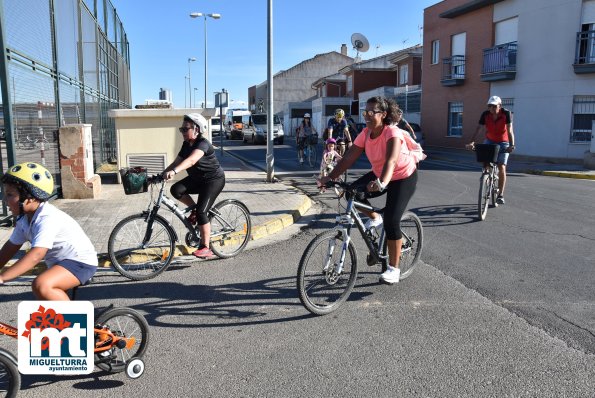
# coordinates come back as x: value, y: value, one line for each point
x: 301, y: 160
x: 391, y: 275
x: 374, y: 222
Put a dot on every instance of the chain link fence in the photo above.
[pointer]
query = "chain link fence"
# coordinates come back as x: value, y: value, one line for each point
x: 67, y: 62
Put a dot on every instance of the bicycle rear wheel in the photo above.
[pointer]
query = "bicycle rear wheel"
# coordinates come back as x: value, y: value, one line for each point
x: 230, y: 228
x: 484, y: 196
x: 10, y: 378
x: 413, y: 240
x: 321, y: 288
x: 134, y: 260
x: 126, y: 323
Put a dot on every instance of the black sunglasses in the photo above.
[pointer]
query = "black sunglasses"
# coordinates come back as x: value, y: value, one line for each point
x: 184, y: 129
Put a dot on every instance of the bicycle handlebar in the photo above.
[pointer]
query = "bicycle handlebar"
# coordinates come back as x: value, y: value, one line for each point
x: 155, y: 179
x: 345, y: 186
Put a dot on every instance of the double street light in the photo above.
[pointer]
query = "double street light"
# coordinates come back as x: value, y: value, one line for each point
x: 214, y: 16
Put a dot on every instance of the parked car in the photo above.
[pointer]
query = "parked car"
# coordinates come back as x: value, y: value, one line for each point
x: 419, y: 136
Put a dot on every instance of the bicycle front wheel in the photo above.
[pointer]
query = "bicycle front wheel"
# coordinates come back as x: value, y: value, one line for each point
x: 484, y: 196
x: 230, y: 228
x: 10, y: 378
x: 312, y: 155
x: 128, y: 325
x: 137, y: 260
x: 322, y: 286
x: 494, y: 191
x: 413, y: 239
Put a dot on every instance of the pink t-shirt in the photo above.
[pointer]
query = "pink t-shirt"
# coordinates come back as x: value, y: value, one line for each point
x: 376, y: 152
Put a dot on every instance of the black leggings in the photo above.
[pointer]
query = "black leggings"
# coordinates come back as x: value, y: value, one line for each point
x: 399, y: 192
x: 207, y: 191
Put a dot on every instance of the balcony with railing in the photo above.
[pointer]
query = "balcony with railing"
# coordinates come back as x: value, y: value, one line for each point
x: 584, y: 60
x: 453, y: 71
x: 499, y: 62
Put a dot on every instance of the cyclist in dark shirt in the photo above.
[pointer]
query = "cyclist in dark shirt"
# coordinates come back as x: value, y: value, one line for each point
x: 339, y: 130
x: 404, y: 124
x: 205, y: 177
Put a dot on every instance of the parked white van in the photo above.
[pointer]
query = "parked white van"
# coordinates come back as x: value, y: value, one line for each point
x: 255, y: 131
x: 233, y: 123
x: 215, y: 126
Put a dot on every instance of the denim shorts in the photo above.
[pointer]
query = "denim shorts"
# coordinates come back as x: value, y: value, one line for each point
x: 82, y: 271
x: 503, y: 154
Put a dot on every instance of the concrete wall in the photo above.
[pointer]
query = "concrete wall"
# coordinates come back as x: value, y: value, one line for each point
x: 294, y: 84
x: 545, y: 80
x: 143, y: 132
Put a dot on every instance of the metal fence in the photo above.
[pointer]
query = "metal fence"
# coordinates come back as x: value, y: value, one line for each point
x: 67, y: 61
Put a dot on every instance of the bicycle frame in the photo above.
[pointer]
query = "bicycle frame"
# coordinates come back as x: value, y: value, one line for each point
x: 180, y: 213
x: 151, y: 213
x: 346, y: 220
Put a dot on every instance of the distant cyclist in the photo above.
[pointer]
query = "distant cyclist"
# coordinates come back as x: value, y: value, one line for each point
x: 338, y: 128
x: 404, y: 124
x: 496, y: 124
x: 303, y: 135
x: 54, y: 236
x: 205, y: 177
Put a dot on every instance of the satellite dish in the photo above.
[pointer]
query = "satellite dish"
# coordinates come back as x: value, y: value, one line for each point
x: 360, y: 43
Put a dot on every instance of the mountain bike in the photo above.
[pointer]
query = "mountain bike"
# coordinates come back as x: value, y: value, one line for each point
x: 488, y: 182
x: 121, y: 339
x: 142, y: 246
x: 328, y: 268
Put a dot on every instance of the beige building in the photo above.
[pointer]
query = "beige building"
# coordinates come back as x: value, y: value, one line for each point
x: 295, y: 83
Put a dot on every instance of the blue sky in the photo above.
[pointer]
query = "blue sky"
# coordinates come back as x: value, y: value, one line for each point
x: 162, y: 37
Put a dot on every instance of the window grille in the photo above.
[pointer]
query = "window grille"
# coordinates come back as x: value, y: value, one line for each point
x: 455, y: 119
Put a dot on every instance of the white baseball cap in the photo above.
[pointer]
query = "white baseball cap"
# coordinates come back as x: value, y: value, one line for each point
x: 495, y: 100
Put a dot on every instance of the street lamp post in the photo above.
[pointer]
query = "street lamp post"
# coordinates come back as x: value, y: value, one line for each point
x: 195, y: 96
x: 185, y: 96
x: 191, y: 59
x: 214, y: 16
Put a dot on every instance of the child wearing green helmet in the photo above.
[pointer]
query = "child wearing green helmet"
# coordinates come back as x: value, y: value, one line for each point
x: 55, y: 237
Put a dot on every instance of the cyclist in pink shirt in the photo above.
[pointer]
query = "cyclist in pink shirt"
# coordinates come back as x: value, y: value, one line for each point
x: 394, y: 172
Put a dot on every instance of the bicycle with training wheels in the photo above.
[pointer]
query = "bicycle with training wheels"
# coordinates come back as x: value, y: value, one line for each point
x: 488, y: 182
x: 328, y: 268
x: 121, y: 339
x: 142, y: 246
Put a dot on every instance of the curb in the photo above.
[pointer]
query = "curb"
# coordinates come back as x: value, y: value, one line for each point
x: 584, y: 175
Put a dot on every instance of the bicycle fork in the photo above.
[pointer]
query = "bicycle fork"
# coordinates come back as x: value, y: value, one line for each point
x: 347, y: 222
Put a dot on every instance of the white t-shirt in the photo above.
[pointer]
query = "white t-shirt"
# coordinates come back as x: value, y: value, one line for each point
x: 58, y: 232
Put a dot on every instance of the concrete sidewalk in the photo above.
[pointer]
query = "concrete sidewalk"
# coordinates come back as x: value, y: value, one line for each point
x: 272, y: 207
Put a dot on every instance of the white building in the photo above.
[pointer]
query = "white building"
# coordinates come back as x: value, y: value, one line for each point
x: 554, y: 87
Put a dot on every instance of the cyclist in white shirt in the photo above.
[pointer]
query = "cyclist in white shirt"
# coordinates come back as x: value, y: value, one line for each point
x: 55, y: 237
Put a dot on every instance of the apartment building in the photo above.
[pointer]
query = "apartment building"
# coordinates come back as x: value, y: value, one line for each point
x: 537, y: 55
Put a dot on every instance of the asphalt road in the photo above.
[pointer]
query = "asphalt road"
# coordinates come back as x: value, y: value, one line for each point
x: 497, y: 308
